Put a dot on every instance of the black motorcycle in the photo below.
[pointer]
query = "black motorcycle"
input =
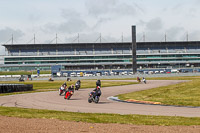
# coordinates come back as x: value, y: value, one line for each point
x: 93, y: 99
x: 77, y: 85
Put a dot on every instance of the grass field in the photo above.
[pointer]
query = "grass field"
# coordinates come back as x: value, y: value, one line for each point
x: 24, y: 72
x: 183, y: 94
x: 99, y: 118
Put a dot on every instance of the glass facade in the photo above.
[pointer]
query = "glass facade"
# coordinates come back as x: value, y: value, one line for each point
x: 103, y: 55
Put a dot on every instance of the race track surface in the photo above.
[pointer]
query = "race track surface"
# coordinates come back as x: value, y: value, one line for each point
x: 79, y: 103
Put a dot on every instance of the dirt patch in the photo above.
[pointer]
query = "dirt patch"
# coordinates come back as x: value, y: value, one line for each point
x: 22, y: 125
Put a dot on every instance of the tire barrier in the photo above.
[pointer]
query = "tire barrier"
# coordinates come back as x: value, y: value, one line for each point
x: 7, y: 88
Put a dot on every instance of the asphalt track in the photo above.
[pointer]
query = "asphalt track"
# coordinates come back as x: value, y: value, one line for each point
x: 78, y: 102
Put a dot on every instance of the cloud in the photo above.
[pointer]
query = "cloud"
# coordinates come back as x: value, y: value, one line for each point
x: 73, y: 23
x: 34, y: 17
x: 112, y: 8
x: 112, y: 12
x: 124, y: 10
x: 68, y: 14
x: 99, y: 7
x: 6, y: 34
x: 174, y: 33
x: 100, y: 22
x: 153, y: 30
x: 92, y: 37
x: 196, y: 2
x: 81, y: 22
x: 193, y: 36
x: 2, y: 52
x: 154, y: 24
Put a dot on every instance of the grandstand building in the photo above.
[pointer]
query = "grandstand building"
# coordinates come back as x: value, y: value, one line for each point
x: 98, y: 56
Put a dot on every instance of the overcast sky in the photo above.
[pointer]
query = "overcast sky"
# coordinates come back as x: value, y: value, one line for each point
x: 90, y: 18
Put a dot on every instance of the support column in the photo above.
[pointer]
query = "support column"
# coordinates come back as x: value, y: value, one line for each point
x: 134, y: 47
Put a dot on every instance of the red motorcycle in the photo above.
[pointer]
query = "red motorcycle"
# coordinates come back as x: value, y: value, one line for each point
x: 68, y: 95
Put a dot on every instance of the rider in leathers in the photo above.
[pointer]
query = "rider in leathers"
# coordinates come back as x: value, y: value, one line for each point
x: 96, y: 92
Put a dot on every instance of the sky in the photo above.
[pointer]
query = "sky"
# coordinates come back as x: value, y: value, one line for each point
x: 90, y: 19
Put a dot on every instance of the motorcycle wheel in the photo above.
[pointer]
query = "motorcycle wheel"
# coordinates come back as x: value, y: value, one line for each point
x: 77, y: 88
x: 69, y: 97
x: 89, y: 100
x: 61, y: 92
x: 96, y: 100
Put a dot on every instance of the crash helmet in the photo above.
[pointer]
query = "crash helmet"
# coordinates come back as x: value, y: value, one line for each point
x: 98, y: 87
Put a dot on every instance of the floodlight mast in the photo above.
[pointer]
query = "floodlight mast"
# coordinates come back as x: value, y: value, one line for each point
x: 134, y: 47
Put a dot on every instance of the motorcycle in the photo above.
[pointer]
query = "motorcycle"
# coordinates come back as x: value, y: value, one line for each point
x: 61, y: 91
x: 144, y: 80
x: 68, y: 95
x: 93, y: 99
x: 77, y: 86
x: 138, y: 79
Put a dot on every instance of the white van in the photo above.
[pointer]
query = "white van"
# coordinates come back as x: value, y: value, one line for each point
x: 174, y: 71
x: 78, y: 74
x: 65, y: 74
x: 73, y: 74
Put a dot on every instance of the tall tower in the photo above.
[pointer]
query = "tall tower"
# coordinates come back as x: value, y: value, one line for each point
x: 134, y: 47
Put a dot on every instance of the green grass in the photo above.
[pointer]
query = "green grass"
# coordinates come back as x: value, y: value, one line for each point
x: 183, y: 94
x: 98, y: 117
x: 24, y: 72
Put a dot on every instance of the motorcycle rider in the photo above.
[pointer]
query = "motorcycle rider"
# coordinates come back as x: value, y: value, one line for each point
x: 63, y: 87
x: 78, y: 84
x: 71, y: 88
x: 98, y: 83
x: 96, y: 92
x: 138, y: 79
x: 144, y: 80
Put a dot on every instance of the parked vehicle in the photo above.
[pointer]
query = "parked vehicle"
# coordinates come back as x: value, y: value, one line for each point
x: 21, y: 79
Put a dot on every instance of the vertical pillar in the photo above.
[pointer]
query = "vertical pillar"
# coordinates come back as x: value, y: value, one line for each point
x: 134, y: 47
